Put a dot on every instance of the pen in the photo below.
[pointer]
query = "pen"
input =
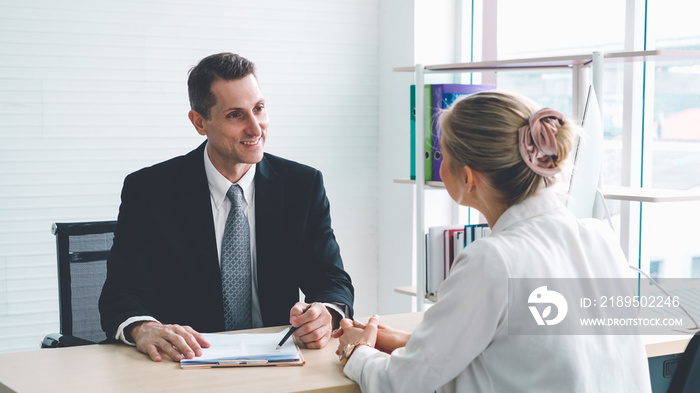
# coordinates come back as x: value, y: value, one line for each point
x: 291, y: 330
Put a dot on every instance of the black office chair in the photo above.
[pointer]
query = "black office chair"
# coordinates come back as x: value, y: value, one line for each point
x: 82, y: 249
x: 686, y: 378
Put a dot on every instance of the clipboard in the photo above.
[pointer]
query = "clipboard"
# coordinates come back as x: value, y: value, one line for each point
x: 243, y: 363
x: 246, y: 350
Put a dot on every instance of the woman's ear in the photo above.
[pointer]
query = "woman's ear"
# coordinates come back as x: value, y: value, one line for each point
x: 470, y: 178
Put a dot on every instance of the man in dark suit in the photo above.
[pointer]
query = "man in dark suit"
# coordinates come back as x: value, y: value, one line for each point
x: 164, y: 274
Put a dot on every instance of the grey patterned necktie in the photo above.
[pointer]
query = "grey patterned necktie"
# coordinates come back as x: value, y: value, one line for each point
x: 235, y: 265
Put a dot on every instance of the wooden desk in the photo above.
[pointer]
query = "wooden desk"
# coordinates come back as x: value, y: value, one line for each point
x: 120, y: 368
x: 665, y: 345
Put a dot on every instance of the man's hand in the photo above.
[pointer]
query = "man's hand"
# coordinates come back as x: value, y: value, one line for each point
x: 174, y: 341
x: 314, y: 327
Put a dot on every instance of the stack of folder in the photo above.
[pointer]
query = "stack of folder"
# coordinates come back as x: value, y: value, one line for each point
x: 436, y: 98
x: 443, y: 243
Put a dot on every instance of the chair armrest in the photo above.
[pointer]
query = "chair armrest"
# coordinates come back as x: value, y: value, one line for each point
x: 58, y: 340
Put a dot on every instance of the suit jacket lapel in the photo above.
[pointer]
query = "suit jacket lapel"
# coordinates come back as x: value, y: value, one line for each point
x: 198, y: 219
x: 269, y: 213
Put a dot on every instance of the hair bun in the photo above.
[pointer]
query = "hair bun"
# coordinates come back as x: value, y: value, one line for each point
x: 538, y: 141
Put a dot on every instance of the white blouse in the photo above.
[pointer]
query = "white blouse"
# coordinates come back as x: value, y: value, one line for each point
x: 462, y: 344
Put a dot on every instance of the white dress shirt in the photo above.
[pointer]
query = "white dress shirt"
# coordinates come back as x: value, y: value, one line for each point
x: 462, y: 344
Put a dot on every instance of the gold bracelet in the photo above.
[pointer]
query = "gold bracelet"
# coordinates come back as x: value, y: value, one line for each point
x: 348, y: 351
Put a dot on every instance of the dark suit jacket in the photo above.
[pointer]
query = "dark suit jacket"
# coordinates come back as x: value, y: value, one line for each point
x: 164, y: 261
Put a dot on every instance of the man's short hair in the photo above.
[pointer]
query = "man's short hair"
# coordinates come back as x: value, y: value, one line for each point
x: 226, y: 66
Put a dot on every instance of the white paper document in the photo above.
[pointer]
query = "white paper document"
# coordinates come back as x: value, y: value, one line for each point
x: 245, y: 349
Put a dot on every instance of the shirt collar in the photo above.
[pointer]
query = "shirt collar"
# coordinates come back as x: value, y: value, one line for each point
x: 543, y: 201
x: 219, y: 184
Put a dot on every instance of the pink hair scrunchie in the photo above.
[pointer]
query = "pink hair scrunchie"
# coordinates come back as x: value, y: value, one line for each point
x: 538, y: 142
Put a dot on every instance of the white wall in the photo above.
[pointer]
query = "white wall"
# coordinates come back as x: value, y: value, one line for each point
x: 408, y: 34
x: 90, y: 91
x: 394, y: 265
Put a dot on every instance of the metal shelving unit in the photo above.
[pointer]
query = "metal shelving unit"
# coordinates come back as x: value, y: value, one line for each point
x: 578, y: 64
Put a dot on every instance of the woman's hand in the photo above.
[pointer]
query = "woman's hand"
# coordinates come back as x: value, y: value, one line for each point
x: 388, y: 339
x: 350, y: 333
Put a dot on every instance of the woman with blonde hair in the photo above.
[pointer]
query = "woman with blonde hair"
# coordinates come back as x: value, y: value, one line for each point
x: 500, y: 155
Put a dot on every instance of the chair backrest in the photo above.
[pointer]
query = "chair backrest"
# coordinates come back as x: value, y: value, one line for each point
x: 686, y: 378
x: 82, y: 249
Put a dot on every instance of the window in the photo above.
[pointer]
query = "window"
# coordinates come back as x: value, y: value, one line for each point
x: 671, y: 136
x: 656, y: 268
x: 695, y: 267
x: 527, y: 29
x: 651, y: 111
